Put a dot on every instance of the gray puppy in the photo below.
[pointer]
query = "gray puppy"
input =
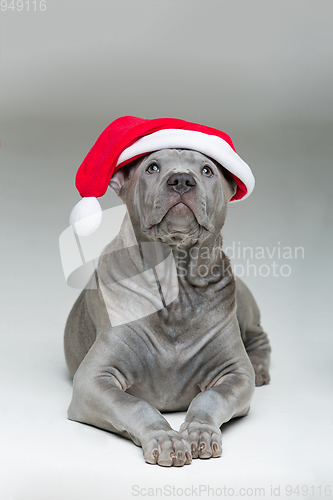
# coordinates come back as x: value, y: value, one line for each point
x: 202, y: 352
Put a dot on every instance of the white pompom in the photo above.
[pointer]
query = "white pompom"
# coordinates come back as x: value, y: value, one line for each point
x: 86, y: 216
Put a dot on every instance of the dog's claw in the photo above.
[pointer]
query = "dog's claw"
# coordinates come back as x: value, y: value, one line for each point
x: 166, y: 448
x: 206, y: 440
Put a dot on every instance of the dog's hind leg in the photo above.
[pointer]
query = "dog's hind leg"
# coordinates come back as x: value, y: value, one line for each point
x: 255, y: 339
x: 80, y: 333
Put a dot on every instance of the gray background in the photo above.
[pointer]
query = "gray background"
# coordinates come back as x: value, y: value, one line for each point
x: 261, y: 70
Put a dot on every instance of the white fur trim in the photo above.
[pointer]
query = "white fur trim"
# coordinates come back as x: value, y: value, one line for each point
x: 210, y: 145
x: 86, y: 216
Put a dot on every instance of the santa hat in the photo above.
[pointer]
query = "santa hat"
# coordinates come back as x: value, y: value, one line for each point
x: 128, y: 138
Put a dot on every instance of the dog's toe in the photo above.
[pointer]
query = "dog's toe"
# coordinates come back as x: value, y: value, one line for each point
x: 261, y: 374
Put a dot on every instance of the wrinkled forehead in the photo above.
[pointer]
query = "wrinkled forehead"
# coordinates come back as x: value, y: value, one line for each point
x: 185, y: 158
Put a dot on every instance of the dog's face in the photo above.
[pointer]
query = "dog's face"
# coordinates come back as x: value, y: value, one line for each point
x: 175, y: 196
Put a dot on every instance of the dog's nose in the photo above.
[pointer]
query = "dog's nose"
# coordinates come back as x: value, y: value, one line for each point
x: 181, y: 182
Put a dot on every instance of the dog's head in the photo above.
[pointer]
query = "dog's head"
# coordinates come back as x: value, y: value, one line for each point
x: 176, y: 196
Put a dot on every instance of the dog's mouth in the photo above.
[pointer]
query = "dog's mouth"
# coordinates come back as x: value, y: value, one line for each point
x: 176, y: 216
x: 178, y: 226
x: 179, y: 214
x: 180, y: 209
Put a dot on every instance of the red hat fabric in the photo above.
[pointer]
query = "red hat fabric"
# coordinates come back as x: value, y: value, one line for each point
x: 129, y: 137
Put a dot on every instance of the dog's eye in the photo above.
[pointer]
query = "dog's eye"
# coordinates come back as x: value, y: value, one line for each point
x: 207, y: 171
x: 153, y: 168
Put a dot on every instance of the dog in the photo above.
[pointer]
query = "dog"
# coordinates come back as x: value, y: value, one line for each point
x: 203, y: 352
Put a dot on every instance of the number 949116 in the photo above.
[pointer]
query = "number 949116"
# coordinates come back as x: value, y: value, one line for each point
x: 23, y: 5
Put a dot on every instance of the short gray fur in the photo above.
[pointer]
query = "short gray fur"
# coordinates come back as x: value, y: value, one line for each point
x: 203, y: 353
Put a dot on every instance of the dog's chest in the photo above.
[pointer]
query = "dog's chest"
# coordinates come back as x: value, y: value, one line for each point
x: 169, y: 382
x: 171, y: 375
x: 182, y: 351
x: 193, y: 306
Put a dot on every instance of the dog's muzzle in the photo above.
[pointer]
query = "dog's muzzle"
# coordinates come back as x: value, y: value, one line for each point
x: 181, y: 182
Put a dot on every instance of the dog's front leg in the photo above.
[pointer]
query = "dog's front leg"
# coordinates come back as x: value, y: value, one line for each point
x: 99, y: 400
x: 229, y: 397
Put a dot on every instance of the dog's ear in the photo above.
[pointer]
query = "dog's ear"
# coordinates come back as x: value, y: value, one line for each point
x: 122, y: 176
x: 232, y: 186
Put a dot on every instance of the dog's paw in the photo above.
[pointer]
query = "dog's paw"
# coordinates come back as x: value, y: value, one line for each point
x: 205, y: 439
x: 166, y: 448
x: 260, y: 370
